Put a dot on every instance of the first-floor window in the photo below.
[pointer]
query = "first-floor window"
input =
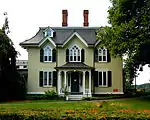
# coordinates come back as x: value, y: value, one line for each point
x: 47, y: 78
x: 102, y: 78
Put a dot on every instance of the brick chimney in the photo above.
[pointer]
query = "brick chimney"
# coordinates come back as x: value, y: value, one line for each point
x: 85, y: 14
x: 64, y: 17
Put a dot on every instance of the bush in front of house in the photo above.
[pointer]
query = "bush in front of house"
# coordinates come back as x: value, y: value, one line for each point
x: 50, y: 94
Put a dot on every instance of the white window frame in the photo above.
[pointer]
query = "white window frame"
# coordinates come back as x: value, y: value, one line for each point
x: 103, y: 78
x: 47, y: 71
x: 102, y: 54
x: 71, y: 48
x: 47, y: 54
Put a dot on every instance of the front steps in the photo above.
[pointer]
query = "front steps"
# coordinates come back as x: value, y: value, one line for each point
x: 75, y: 97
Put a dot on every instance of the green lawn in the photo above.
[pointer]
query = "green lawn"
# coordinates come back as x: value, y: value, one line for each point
x: 136, y: 108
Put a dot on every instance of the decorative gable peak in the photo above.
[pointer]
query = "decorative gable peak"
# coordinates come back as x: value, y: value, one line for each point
x: 48, y: 32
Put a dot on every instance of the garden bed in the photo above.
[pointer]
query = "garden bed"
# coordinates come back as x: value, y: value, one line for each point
x: 38, y: 110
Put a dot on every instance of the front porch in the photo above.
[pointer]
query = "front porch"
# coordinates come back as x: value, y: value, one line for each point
x: 76, y: 80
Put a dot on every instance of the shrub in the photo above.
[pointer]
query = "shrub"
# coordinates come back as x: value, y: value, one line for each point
x: 50, y: 94
x: 36, y: 97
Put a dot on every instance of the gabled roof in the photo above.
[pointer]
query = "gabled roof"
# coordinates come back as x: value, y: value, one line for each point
x: 63, y: 34
x: 75, y: 34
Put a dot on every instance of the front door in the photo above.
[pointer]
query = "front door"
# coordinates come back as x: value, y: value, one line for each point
x: 74, y: 82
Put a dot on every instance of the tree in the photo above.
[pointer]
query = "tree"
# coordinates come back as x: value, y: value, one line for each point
x: 128, y: 34
x: 11, y: 82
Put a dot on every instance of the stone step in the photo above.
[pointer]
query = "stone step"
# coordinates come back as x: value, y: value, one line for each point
x: 75, y: 97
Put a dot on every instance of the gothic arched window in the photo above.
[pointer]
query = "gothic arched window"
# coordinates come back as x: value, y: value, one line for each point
x: 47, y: 54
x: 75, y: 54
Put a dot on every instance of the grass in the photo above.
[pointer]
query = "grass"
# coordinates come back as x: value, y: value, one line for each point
x: 91, y: 109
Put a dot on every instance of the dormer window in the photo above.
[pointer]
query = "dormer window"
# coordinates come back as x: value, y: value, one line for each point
x: 48, y: 32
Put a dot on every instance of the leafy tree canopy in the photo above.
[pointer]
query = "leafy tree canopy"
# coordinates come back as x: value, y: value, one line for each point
x: 129, y: 33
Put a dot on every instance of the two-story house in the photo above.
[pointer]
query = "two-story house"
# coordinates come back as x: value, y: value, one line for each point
x: 71, y: 57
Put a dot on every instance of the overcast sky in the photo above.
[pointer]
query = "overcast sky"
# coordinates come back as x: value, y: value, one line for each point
x: 26, y: 16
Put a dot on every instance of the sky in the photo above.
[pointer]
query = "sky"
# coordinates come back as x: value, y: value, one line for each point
x: 26, y: 16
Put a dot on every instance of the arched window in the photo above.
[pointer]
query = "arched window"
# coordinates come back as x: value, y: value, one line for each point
x: 75, y: 54
x: 47, y: 54
x: 102, y: 55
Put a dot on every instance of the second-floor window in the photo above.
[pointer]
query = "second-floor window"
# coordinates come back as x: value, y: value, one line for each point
x: 75, y: 54
x: 47, y: 54
x: 102, y: 55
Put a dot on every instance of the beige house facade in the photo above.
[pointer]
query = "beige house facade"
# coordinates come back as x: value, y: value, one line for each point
x: 71, y: 58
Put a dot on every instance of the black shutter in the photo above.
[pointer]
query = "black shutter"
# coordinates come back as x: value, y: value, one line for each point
x: 95, y: 55
x: 108, y: 56
x: 82, y: 55
x: 109, y: 78
x: 67, y: 55
x: 54, y: 78
x: 41, y: 78
x: 41, y: 55
x: 96, y: 78
x: 54, y: 55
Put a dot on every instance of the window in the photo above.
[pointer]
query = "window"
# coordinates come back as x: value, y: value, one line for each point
x: 24, y: 66
x: 75, y: 54
x: 102, y: 55
x: 48, y: 32
x: 47, y: 54
x: 102, y: 78
x: 47, y: 78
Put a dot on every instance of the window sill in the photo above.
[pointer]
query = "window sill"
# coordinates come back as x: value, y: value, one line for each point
x: 102, y: 61
x: 74, y: 61
x: 103, y: 86
x: 47, y: 86
x: 47, y: 62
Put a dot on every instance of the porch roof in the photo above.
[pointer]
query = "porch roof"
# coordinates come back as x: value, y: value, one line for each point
x: 74, y: 65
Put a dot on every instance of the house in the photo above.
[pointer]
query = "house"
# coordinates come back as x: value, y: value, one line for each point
x: 22, y: 68
x: 71, y: 57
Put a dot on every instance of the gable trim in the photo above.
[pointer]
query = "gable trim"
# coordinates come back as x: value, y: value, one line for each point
x: 48, y: 28
x: 97, y: 43
x: 47, y: 38
x: 75, y: 33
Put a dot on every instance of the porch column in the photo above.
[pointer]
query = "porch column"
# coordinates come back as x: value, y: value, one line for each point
x: 59, y: 82
x: 83, y: 83
x: 89, y: 82
x: 65, y: 79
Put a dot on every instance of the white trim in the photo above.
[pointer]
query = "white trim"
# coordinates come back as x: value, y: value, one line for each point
x: 47, y: 29
x: 35, y: 92
x: 75, y: 33
x: 48, y: 38
x: 109, y: 93
x: 97, y: 43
